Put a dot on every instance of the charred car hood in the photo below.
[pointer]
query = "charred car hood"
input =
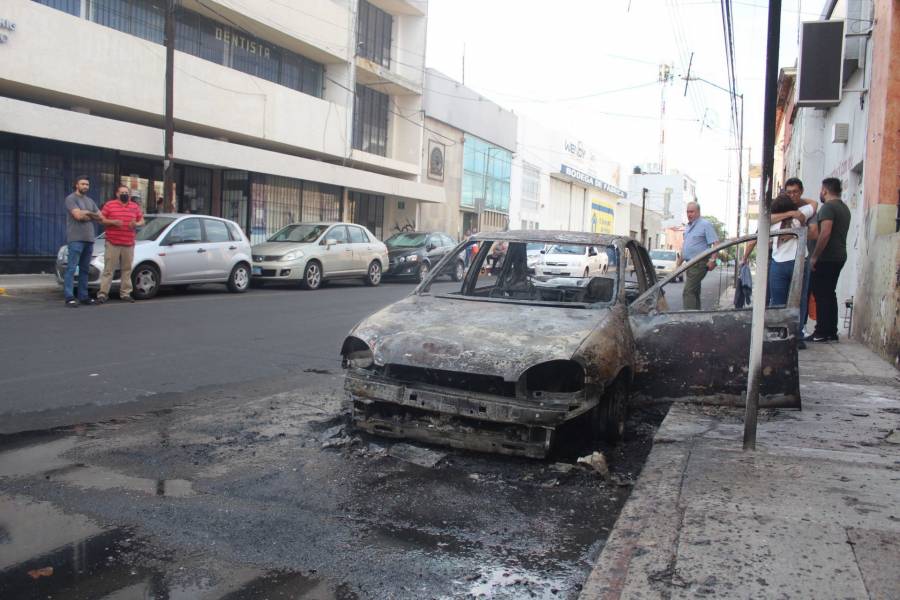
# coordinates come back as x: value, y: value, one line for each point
x: 489, y: 338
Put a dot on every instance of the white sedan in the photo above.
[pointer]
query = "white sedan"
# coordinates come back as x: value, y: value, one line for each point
x: 177, y: 250
x: 571, y: 260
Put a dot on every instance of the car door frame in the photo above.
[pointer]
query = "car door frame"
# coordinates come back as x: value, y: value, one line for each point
x: 219, y: 254
x: 678, y: 358
x: 170, y: 253
x: 363, y: 253
x: 335, y: 258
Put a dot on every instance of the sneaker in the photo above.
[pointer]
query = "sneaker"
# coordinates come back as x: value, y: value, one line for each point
x: 89, y: 302
x: 73, y: 303
x: 126, y: 299
x: 101, y: 299
x: 820, y: 338
x: 801, y: 345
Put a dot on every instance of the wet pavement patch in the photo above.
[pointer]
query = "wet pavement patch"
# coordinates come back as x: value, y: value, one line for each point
x: 241, y: 500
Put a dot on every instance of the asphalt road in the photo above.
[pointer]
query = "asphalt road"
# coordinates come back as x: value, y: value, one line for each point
x: 59, y: 365
x: 205, y: 455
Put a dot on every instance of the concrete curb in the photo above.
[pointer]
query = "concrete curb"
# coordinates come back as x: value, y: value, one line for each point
x: 28, y: 285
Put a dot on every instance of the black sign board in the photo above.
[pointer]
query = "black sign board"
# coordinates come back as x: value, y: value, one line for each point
x: 819, y: 75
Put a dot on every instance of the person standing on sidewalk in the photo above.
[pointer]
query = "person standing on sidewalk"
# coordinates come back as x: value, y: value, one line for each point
x: 699, y: 234
x: 81, y: 212
x: 828, y: 259
x: 793, y: 187
x: 121, y: 217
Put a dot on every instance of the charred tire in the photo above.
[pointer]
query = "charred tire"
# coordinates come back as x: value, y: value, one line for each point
x: 239, y: 279
x: 144, y: 281
x: 459, y: 271
x: 424, y: 267
x: 611, y: 412
x: 312, y: 276
x: 373, y: 273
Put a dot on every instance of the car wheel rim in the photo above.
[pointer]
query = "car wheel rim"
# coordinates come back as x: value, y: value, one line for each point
x: 374, y: 273
x: 459, y: 271
x: 241, y: 279
x: 312, y: 276
x: 146, y: 281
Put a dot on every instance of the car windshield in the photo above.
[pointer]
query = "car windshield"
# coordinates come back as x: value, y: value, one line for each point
x: 534, y: 247
x: 566, y: 249
x: 406, y: 240
x: 153, y: 226
x: 503, y: 271
x: 663, y: 255
x: 301, y: 233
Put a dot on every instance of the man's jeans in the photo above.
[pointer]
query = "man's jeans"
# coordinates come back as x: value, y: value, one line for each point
x: 80, y: 256
x: 823, y: 284
x: 780, y: 274
x: 693, y: 278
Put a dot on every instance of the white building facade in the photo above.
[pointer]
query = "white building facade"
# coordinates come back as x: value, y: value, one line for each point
x: 561, y: 182
x: 309, y: 110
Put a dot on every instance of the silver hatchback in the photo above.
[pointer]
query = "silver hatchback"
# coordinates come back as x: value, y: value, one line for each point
x: 310, y: 253
x: 178, y: 250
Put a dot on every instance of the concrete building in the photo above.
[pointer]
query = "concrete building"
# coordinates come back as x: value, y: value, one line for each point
x: 666, y: 200
x: 468, y: 146
x: 857, y: 140
x: 308, y: 110
x: 562, y: 182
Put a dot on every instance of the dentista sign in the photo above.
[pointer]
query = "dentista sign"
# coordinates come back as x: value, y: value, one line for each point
x: 6, y: 25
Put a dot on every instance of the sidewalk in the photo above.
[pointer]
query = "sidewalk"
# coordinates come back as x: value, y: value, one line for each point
x: 15, y: 285
x: 813, y: 513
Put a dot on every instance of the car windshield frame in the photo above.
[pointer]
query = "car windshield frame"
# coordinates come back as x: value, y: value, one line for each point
x: 287, y: 230
x: 479, y: 262
x: 563, y: 249
x: 153, y: 227
x: 393, y: 245
x: 670, y: 255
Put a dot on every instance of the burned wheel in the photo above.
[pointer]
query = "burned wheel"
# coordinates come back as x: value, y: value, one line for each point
x: 609, y: 416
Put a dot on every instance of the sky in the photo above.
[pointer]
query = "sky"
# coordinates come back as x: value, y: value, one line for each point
x: 590, y: 68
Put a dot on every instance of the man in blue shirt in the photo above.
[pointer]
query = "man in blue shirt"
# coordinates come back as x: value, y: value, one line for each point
x: 699, y: 235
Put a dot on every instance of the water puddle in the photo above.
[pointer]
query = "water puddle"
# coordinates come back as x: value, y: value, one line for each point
x: 45, y: 553
x: 57, y: 460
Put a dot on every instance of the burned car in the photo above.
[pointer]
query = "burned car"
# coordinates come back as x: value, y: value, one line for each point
x: 503, y: 361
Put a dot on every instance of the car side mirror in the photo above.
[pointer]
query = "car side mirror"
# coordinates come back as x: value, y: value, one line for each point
x: 430, y: 247
x: 330, y: 242
x: 592, y: 252
x: 543, y: 252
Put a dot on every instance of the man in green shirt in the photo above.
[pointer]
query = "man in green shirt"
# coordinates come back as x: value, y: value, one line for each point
x: 828, y: 259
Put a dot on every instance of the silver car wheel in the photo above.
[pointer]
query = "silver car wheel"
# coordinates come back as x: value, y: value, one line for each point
x: 374, y: 277
x: 240, y: 279
x: 313, y: 276
x: 145, y: 282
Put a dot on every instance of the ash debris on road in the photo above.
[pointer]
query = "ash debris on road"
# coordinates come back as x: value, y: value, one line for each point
x: 277, y: 495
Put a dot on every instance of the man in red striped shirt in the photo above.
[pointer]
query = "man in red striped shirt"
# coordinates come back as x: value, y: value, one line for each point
x: 121, y: 217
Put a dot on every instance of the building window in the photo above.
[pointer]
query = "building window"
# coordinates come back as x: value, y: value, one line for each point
x: 373, y: 34
x: 321, y: 202
x: 208, y: 39
x: 370, y: 121
x: 73, y: 7
x: 531, y: 187
x: 236, y: 197
x: 368, y: 210
x: 486, y: 174
x: 276, y: 203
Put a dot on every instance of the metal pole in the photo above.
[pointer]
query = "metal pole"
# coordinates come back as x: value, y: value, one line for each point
x: 758, y: 326
x: 643, y: 208
x: 740, y: 185
x: 169, y: 152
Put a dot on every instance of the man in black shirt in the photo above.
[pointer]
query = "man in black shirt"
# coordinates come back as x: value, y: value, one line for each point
x: 828, y: 259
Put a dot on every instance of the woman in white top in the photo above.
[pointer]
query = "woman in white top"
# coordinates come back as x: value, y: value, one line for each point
x: 784, y: 250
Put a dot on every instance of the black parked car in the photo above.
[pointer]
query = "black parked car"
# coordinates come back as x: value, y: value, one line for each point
x: 413, y: 253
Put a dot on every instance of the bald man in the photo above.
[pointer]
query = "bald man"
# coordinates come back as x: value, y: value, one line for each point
x: 699, y: 235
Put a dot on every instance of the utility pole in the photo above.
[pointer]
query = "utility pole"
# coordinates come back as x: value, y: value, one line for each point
x: 169, y: 152
x: 757, y: 329
x: 643, y: 208
x: 665, y: 77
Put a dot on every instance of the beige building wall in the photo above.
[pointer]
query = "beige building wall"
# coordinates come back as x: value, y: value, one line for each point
x: 444, y: 217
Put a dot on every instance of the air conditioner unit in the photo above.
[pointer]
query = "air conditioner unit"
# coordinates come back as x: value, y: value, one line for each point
x: 840, y: 133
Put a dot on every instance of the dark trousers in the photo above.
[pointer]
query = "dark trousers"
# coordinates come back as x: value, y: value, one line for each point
x: 823, y: 283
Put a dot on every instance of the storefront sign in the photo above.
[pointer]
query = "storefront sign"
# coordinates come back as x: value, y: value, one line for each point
x: 6, y: 25
x: 575, y: 149
x: 232, y: 38
x: 591, y: 181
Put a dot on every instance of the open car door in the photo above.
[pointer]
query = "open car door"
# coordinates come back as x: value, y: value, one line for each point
x: 702, y: 355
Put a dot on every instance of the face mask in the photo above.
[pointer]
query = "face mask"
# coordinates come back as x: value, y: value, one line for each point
x: 123, y: 197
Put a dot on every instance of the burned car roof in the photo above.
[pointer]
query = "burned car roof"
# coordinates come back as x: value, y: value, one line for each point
x: 551, y: 237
